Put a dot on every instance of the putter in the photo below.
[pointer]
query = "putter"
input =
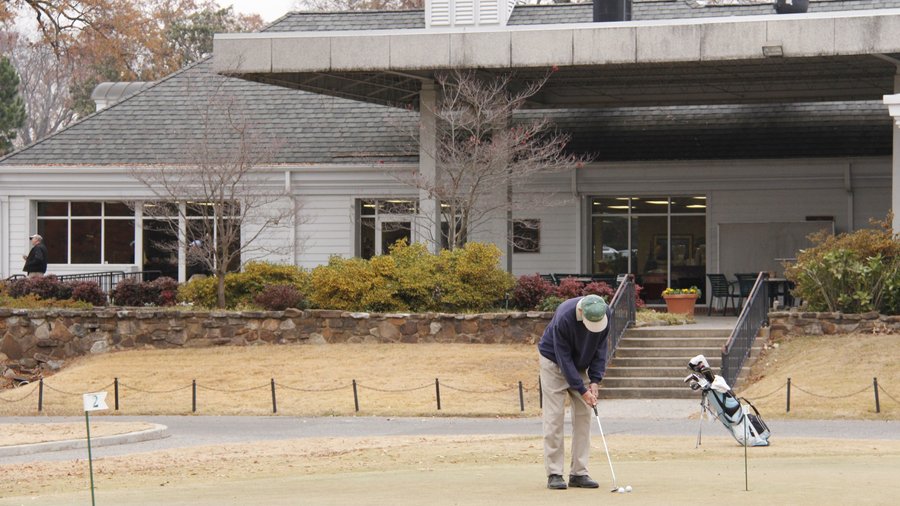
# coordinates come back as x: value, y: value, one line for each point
x: 608, y: 459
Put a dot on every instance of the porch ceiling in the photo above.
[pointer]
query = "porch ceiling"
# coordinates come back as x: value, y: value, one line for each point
x: 837, y: 78
x: 831, y: 56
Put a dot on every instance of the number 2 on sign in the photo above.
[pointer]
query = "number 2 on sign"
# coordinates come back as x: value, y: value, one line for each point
x: 95, y: 401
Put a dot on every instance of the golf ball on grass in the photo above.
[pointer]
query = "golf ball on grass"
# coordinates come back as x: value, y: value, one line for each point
x: 628, y: 488
x: 621, y: 490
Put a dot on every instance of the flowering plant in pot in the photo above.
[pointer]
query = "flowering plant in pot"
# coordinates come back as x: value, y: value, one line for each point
x: 681, y: 300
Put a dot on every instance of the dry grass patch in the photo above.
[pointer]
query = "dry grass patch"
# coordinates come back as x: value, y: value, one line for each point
x: 392, y: 380
x: 831, y: 377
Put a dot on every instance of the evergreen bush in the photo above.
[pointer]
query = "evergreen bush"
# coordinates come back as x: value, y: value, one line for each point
x: 242, y: 287
x: 850, y: 272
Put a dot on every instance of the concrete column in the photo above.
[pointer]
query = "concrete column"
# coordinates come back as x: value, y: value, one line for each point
x: 893, y: 103
x: 429, y: 229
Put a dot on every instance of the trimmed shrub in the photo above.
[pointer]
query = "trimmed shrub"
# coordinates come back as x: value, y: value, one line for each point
x: 32, y: 301
x: 45, y: 287
x: 469, y: 278
x: 416, y: 276
x: 354, y: 284
x: 599, y: 288
x: 131, y: 292
x: 530, y: 291
x: 279, y: 298
x: 851, y: 272
x: 550, y: 303
x: 412, y: 279
x: 568, y: 288
x: 88, y: 291
x: 242, y: 287
x: 167, y: 290
x: 199, y: 291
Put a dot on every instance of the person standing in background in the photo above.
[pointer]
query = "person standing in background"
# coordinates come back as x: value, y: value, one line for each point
x: 36, y: 260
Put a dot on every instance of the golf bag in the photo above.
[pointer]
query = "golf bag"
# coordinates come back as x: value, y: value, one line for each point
x: 718, y: 399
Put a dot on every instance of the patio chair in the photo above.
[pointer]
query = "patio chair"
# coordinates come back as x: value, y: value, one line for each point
x: 722, y: 289
x: 745, y: 282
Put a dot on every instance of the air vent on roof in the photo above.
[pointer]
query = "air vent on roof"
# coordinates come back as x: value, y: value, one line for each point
x: 446, y: 13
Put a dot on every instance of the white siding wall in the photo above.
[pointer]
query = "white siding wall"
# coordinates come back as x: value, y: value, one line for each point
x: 757, y: 191
x: 23, y: 186
x: 327, y: 195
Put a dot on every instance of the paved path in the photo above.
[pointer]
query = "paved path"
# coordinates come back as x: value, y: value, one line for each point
x: 634, y: 417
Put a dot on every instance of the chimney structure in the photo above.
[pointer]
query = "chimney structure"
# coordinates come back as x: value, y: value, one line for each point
x: 612, y: 10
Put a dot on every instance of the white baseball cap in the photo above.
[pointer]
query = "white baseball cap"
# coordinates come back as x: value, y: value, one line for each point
x: 593, y: 312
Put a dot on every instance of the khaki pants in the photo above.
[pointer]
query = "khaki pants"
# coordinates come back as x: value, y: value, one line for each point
x: 555, y: 388
x: 35, y: 274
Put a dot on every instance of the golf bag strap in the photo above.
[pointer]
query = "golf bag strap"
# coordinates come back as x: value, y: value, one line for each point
x: 755, y: 411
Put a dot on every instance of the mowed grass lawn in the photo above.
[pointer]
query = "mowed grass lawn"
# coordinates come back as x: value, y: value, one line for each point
x: 399, y: 380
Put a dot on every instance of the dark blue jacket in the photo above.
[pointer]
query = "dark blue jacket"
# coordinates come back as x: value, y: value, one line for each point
x: 569, y: 344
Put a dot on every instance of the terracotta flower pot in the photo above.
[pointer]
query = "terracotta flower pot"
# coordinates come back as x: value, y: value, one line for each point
x: 681, y: 303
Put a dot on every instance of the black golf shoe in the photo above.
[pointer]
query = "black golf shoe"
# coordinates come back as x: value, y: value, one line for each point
x: 555, y: 482
x: 584, y: 481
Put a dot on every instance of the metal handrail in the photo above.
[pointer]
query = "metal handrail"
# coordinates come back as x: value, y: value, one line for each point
x: 624, y: 312
x: 754, y: 316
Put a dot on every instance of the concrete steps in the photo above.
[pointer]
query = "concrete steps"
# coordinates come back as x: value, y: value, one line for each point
x: 651, y: 363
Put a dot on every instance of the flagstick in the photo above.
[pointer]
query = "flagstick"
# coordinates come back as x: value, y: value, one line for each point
x: 746, y: 436
x: 87, y: 421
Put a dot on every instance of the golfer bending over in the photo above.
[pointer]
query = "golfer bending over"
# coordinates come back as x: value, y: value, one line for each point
x: 573, y: 353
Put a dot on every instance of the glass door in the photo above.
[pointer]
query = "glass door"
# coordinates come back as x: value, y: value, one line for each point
x: 662, y: 240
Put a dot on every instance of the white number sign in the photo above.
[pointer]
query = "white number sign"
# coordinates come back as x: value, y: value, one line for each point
x: 95, y: 401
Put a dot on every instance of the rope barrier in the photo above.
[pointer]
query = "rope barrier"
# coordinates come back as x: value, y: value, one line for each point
x: 773, y: 392
x: 865, y: 389
x: 79, y: 394
x: 299, y: 389
x: 444, y: 385
x: 388, y: 390
x: 885, y: 392
x: 144, y: 391
x: 229, y: 391
x: 29, y: 394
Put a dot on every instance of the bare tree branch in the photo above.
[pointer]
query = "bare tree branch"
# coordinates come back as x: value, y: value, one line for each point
x: 225, y: 196
x: 481, y: 149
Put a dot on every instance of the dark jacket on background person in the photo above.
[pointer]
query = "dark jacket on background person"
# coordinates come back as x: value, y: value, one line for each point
x: 36, y: 261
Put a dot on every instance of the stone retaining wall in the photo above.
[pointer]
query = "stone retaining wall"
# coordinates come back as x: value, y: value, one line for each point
x: 31, y: 338
x: 795, y: 323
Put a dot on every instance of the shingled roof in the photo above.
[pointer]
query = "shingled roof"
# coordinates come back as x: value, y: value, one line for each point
x: 642, y: 10
x: 159, y: 124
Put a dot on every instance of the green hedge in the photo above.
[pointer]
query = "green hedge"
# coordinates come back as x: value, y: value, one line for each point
x: 851, y: 272
x: 242, y: 287
x: 410, y: 278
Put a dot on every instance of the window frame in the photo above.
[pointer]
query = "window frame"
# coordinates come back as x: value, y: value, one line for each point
x: 69, y: 218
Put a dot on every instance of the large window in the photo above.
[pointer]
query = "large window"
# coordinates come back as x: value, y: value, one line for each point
x: 384, y: 222
x: 662, y: 240
x: 87, y: 232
